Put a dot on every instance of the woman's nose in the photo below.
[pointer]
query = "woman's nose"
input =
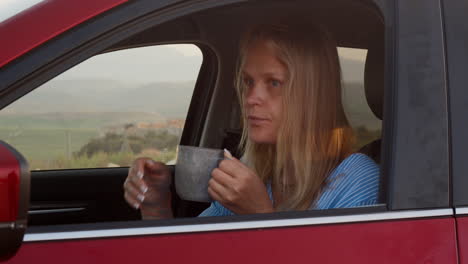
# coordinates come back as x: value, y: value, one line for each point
x: 256, y: 94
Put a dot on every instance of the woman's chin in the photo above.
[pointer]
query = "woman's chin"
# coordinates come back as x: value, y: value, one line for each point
x: 262, y: 139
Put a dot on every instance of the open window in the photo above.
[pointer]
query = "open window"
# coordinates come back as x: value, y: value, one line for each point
x: 107, y: 111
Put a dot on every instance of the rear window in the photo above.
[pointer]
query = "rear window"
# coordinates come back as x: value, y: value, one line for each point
x: 367, y: 127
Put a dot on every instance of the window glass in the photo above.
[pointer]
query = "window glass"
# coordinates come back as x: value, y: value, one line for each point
x: 367, y: 127
x: 106, y: 111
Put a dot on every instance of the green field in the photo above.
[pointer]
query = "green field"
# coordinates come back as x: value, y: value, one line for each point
x: 48, y: 149
x: 48, y: 140
x: 47, y: 144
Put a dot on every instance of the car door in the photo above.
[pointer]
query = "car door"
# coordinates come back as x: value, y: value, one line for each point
x: 415, y: 224
x: 456, y: 28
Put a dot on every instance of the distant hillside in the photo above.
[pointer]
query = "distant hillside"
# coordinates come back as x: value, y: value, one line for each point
x: 170, y: 100
x: 75, y: 120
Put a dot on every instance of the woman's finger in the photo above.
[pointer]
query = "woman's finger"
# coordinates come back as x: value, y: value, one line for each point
x: 219, y: 191
x: 223, y: 178
x: 131, y: 201
x: 138, y: 183
x: 231, y: 167
x: 138, y: 168
x: 214, y: 195
x: 133, y: 191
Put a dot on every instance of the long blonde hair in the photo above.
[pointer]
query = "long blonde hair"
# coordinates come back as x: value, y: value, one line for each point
x: 314, y: 136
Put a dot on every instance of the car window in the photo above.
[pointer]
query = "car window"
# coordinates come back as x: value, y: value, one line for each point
x: 366, y: 126
x: 106, y: 111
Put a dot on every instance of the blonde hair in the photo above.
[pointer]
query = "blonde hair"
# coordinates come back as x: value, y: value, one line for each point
x: 314, y: 135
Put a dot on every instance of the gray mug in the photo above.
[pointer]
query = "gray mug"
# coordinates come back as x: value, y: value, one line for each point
x: 193, y: 171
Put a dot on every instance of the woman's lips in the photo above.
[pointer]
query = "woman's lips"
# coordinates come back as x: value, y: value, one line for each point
x: 256, y: 121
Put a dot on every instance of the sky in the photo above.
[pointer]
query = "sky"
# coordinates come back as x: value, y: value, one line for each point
x: 9, y: 8
x: 164, y: 63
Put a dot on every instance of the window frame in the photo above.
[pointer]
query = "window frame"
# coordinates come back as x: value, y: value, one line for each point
x: 456, y: 35
x: 417, y: 171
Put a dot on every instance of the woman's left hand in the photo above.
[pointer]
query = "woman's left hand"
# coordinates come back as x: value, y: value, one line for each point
x: 238, y: 188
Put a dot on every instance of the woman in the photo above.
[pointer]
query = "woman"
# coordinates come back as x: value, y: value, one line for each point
x: 296, y: 138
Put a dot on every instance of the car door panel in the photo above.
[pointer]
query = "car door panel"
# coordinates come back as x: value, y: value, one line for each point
x: 89, y: 196
x: 398, y: 241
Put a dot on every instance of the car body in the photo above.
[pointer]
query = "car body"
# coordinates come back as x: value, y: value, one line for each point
x: 421, y: 218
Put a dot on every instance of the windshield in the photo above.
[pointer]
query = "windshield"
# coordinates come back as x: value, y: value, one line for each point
x: 10, y: 8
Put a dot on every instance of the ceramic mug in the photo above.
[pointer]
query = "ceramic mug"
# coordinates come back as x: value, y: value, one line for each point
x: 193, y: 171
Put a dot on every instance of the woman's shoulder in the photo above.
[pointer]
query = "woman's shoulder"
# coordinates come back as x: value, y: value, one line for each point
x: 354, y: 182
x: 356, y: 165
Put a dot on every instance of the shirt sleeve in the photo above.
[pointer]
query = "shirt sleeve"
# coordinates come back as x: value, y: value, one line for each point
x: 354, y: 183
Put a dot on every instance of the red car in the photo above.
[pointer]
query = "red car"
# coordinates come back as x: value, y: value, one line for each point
x: 406, y: 59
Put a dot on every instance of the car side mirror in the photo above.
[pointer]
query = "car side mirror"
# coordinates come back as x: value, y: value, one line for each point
x: 14, y: 199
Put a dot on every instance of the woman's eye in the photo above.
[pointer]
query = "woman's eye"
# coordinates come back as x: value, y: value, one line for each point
x: 248, y: 82
x: 275, y: 83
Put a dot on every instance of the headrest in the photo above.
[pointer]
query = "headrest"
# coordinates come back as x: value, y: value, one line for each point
x: 374, y: 77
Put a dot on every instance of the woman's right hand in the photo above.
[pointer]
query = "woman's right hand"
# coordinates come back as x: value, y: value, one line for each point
x: 147, y: 188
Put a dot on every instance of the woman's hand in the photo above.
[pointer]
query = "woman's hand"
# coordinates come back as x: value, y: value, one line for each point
x: 147, y: 188
x: 238, y: 188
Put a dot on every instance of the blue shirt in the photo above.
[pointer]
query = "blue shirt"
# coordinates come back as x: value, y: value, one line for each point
x: 353, y: 183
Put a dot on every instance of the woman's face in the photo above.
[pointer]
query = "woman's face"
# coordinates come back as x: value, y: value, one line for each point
x: 264, y: 77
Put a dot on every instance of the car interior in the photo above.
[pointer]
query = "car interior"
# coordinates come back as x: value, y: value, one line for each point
x: 96, y: 195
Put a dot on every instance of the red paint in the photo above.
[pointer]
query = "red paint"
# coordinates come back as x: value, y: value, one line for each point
x: 9, y: 185
x: 462, y: 233
x: 44, y: 21
x: 410, y: 241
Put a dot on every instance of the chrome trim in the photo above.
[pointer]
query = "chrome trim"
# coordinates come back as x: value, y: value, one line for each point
x: 51, y: 211
x: 122, y: 232
x: 461, y: 210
